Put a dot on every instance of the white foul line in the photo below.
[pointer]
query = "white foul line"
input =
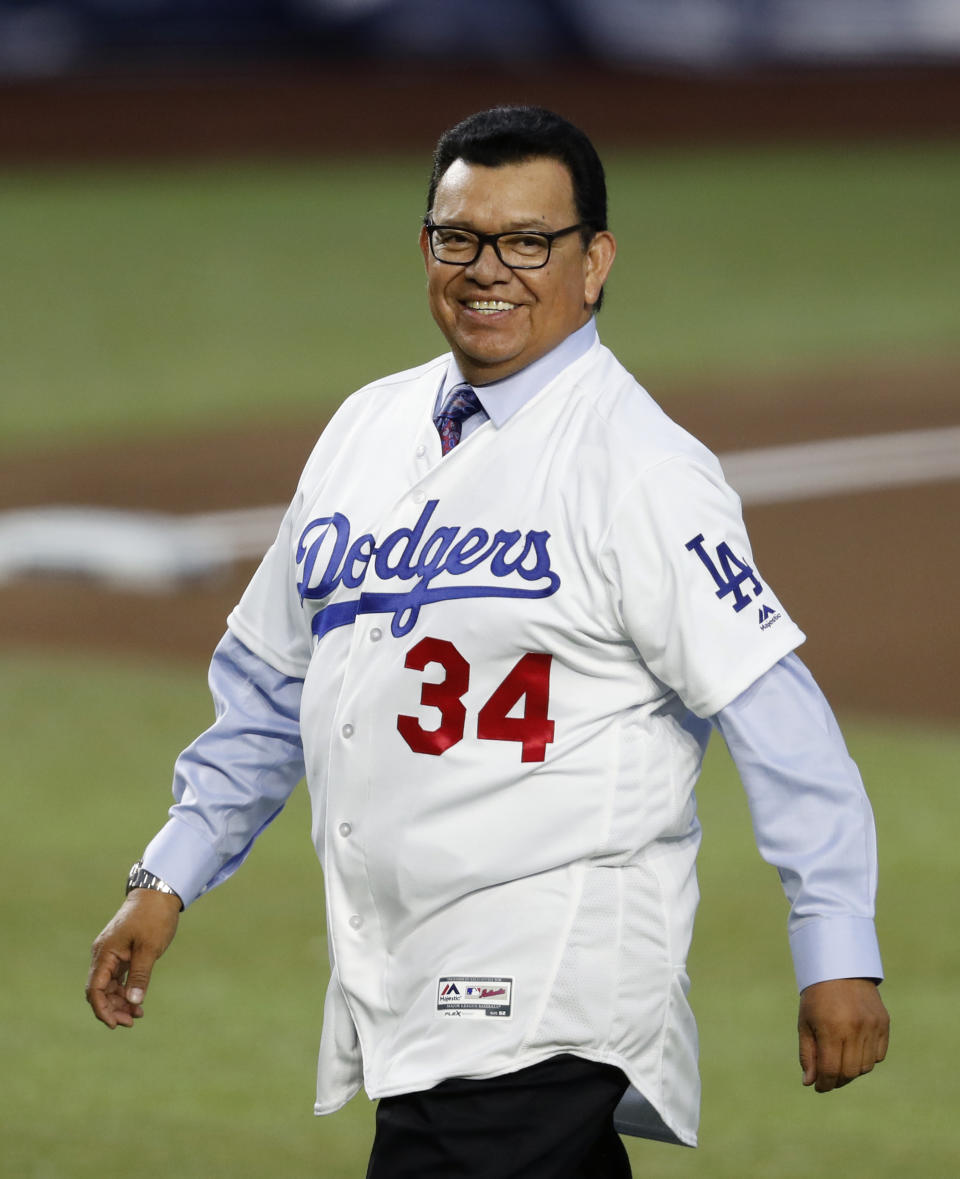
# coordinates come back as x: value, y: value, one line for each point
x: 810, y: 470
x: 150, y: 551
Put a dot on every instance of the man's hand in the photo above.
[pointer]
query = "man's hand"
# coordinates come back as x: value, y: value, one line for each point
x: 844, y: 1029
x: 124, y: 954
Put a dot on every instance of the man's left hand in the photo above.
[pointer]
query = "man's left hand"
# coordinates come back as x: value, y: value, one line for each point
x: 844, y: 1028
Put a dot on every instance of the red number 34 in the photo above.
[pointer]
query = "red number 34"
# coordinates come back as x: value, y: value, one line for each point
x: 528, y: 680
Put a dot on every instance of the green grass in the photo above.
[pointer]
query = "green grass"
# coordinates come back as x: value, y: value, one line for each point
x: 779, y: 260
x: 155, y: 299
x: 217, y: 1080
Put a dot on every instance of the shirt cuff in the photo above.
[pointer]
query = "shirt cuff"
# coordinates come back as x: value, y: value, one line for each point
x: 183, y: 859
x: 835, y: 947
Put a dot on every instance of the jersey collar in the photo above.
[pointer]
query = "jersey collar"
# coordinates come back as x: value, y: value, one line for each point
x: 501, y: 399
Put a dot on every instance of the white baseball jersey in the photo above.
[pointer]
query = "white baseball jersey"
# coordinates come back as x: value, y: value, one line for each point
x: 506, y: 654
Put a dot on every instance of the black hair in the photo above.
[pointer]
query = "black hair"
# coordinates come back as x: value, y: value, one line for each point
x: 512, y: 134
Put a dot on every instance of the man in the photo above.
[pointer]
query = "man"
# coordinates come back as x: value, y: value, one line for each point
x: 506, y: 606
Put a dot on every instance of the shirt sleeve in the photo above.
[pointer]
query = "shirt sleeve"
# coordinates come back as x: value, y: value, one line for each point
x: 811, y: 818
x: 235, y: 778
x: 698, y: 610
x: 269, y: 620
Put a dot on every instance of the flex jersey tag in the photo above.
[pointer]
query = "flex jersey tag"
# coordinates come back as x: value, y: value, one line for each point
x: 468, y: 997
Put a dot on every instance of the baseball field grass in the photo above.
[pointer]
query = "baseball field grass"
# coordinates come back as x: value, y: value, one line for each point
x: 148, y: 300
x: 157, y: 300
x: 217, y: 1079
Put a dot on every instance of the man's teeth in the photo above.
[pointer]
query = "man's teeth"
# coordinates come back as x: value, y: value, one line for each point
x: 490, y: 305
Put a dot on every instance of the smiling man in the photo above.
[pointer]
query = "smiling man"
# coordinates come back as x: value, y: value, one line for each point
x: 505, y: 302
x: 505, y: 610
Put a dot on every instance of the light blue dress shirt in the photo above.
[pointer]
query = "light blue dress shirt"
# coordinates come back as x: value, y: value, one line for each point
x: 810, y: 813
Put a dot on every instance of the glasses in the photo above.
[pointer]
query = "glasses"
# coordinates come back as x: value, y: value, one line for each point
x: 517, y: 250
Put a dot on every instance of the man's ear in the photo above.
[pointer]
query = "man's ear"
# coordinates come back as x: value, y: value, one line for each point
x: 598, y: 258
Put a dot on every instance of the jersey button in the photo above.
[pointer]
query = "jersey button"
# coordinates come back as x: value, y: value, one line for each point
x: 345, y: 829
x: 376, y: 635
x: 421, y: 450
x: 419, y: 497
x: 347, y: 731
x: 356, y: 921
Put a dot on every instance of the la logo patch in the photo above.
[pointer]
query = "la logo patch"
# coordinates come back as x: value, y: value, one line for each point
x: 728, y: 571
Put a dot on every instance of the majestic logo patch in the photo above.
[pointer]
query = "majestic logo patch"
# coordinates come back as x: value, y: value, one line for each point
x: 729, y: 572
x: 768, y: 616
x: 465, y: 997
x: 328, y: 558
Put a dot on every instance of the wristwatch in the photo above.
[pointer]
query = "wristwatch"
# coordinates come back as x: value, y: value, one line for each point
x: 140, y: 878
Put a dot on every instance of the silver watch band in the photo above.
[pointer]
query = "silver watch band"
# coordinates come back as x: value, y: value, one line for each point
x: 140, y: 878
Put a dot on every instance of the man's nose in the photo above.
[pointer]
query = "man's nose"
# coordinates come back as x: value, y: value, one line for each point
x: 487, y: 267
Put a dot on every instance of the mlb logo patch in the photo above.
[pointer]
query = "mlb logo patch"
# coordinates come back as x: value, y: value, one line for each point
x: 470, y: 997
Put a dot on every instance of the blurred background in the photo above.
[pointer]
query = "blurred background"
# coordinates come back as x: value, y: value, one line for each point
x: 208, y: 226
x: 50, y: 37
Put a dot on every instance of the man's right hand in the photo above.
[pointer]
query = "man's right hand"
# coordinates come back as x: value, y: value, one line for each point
x: 123, y: 955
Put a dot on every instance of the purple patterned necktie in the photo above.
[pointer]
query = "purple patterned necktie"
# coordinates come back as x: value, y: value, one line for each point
x: 460, y: 404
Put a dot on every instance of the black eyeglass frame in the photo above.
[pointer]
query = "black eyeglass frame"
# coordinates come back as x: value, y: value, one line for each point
x: 493, y: 239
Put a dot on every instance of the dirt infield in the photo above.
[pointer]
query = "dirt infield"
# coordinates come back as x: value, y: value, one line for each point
x: 301, y: 108
x: 871, y: 576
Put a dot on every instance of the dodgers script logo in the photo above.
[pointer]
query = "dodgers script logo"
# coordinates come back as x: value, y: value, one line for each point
x: 329, y: 557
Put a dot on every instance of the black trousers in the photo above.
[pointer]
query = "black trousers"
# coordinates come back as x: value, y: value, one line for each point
x: 553, y: 1120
